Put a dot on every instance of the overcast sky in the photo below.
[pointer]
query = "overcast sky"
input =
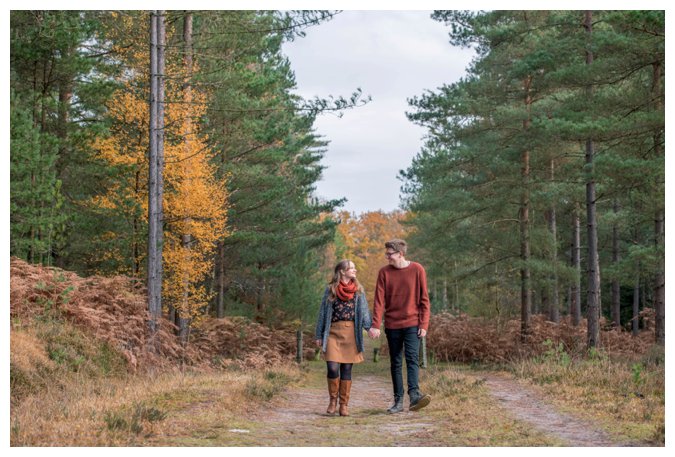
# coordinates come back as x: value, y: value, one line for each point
x: 392, y: 56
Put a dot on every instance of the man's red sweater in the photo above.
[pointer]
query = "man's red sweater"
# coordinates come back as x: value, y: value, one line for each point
x: 402, y: 294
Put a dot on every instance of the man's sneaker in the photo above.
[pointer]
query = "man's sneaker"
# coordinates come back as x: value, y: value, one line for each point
x: 418, y: 400
x: 397, y: 407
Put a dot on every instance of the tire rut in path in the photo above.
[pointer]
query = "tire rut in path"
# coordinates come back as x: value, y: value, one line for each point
x: 525, y: 405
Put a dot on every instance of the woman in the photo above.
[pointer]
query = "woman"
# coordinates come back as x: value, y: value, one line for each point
x: 339, y: 331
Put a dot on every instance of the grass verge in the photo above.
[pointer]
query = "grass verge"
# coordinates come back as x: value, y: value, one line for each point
x: 172, y: 408
x: 624, y: 396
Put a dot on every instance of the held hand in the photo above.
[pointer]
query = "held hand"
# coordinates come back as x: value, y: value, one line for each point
x: 421, y: 333
x: 374, y: 333
x: 317, y: 342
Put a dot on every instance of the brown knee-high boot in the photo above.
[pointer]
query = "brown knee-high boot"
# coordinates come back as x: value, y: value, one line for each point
x: 333, y: 388
x: 345, y: 387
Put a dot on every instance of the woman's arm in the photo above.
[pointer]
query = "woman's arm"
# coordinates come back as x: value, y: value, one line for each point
x: 320, y: 326
x: 367, y: 319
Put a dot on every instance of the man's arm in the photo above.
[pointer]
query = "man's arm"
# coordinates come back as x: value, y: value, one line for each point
x: 424, y: 304
x: 378, y: 306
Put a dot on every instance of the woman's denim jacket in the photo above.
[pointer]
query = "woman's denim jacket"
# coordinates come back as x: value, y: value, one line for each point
x: 362, y: 319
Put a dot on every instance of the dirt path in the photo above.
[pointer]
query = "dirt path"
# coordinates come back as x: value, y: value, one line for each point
x: 526, y: 405
x: 299, y: 419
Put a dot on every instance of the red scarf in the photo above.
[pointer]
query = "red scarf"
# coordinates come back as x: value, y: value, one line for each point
x: 345, y: 292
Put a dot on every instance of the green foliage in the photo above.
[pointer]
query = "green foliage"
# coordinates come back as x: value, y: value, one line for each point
x: 555, y: 354
x: 65, y: 66
x: 277, y: 377
x: 132, y: 420
x: 75, y: 352
x: 271, y: 384
x: 597, y: 357
x: 638, y: 379
x: 59, y: 79
x: 655, y: 356
x: 35, y: 192
x: 527, y: 91
x: 272, y: 160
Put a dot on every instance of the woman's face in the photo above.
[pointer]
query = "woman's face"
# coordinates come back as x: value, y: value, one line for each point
x: 350, y: 272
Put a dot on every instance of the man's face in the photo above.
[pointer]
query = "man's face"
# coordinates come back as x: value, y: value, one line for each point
x: 392, y: 256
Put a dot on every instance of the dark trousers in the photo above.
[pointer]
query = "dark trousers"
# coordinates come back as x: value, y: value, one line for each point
x: 402, y: 340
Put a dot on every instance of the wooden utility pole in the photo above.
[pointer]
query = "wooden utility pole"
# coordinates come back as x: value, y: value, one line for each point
x: 298, y: 346
x: 423, y: 356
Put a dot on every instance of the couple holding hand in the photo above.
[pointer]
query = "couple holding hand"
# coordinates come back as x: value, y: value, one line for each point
x: 401, y: 295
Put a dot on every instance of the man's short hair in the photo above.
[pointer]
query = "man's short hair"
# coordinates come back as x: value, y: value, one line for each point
x: 397, y: 245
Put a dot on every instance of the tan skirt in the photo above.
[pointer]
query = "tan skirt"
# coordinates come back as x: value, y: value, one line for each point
x: 341, y: 345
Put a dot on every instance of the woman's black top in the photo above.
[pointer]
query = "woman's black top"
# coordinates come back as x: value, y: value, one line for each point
x: 343, y: 310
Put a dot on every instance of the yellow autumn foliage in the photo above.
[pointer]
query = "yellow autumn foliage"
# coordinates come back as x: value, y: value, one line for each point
x: 364, y: 237
x: 195, y: 201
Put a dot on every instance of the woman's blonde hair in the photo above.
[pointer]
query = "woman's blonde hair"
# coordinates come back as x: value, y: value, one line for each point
x: 335, y: 280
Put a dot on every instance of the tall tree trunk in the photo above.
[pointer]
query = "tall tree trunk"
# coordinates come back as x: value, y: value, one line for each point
x: 33, y: 233
x: 135, y: 238
x: 525, y: 300
x: 554, y: 309
x: 183, y: 316
x: 155, y: 173
x: 260, y: 301
x: 455, y: 306
x: 38, y: 235
x: 65, y: 96
x: 495, y: 297
x: 593, y: 296
x: 616, y: 288
x: 545, y: 302
x: 220, y: 279
x: 161, y: 76
x: 154, y: 281
x: 65, y: 85
x: 660, y: 284
x: 659, y: 222
x: 575, y: 304
x: 445, y: 293
x: 635, y: 321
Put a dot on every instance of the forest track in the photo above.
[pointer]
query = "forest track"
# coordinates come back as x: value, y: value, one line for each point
x: 528, y: 406
x: 299, y: 419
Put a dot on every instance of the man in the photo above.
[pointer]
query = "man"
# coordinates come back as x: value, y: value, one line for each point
x: 401, y: 294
